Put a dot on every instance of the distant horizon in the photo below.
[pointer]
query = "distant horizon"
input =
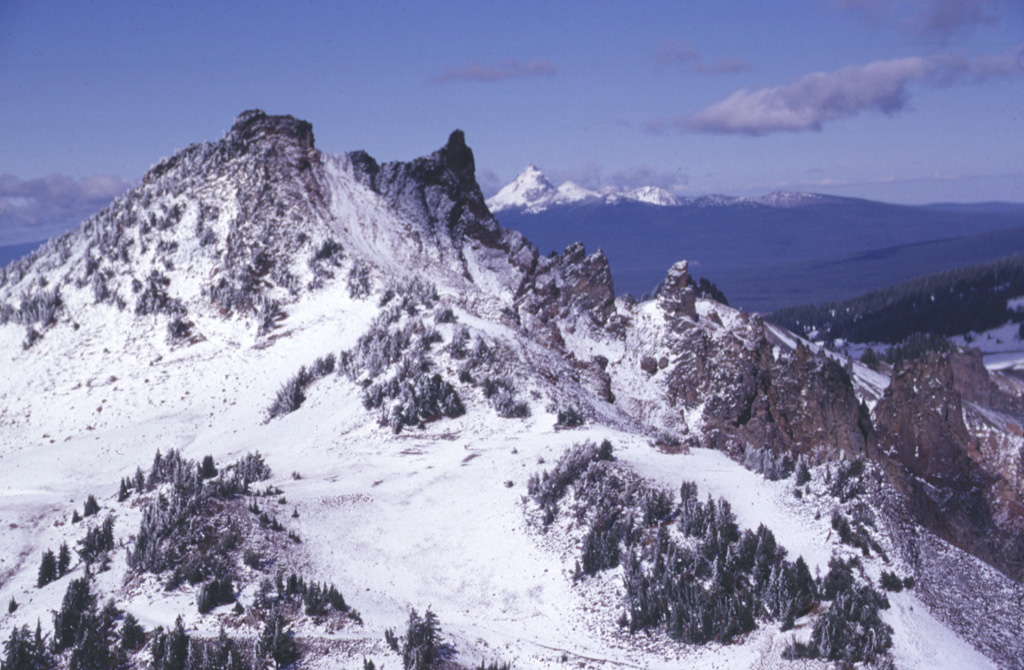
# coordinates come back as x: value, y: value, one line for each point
x: 488, y: 194
x: 88, y: 206
x: 904, y: 102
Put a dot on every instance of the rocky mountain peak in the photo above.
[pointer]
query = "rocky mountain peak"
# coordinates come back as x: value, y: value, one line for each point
x: 254, y: 125
x: 676, y: 296
x: 459, y: 158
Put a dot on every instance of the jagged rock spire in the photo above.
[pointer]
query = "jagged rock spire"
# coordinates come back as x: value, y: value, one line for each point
x: 255, y: 124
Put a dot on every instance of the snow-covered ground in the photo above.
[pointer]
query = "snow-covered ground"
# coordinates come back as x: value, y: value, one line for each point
x: 429, y: 518
x: 434, y: 517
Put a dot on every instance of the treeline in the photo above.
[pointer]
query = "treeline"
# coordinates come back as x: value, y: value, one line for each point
x: 718, y: 583
x: 193, y: 529
x: 949, y: 303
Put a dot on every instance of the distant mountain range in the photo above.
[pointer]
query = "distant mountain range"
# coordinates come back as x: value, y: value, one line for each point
x: 532, y: 193
x: 764, y: 252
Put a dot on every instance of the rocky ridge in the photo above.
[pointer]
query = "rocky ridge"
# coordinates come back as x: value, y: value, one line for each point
x: 256, y: 225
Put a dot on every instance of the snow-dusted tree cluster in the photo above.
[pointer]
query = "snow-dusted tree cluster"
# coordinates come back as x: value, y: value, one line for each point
x: 194, y: 530
x: 690, y: 571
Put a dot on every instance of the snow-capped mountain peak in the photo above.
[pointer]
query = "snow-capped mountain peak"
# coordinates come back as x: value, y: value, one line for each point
x: 652, y: 195
x: 531, y: 191
x: 570, y: 192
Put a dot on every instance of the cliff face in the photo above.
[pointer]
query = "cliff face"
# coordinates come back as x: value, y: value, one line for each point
x: 957, y: 461
x: 754, y: 390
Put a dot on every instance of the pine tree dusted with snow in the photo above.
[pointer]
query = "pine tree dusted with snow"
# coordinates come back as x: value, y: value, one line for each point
x: 91, y: 506
x: 47, y: 569
x: 277, y: 641
x: 25, y: 650
x: 78, y: 600
x: 421, y: 645
x: 218, y: 591
x: 167, y: 537
x: 171, y: 650
x: 97, y: 540
x: 132, y: 635
x: 713, y: 590
x: 292, y: 393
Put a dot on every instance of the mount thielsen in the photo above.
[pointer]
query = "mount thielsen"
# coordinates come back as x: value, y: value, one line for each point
x: 280, y: 408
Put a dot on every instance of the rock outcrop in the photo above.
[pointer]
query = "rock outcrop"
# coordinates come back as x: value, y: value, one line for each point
x: 941, y: 451
x: 676, y: 297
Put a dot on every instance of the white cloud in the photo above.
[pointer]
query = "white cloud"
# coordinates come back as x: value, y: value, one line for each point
x: 821, y: 97
x: 930, y: 18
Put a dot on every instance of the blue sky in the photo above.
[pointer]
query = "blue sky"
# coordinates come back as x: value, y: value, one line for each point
x: 899, y: 100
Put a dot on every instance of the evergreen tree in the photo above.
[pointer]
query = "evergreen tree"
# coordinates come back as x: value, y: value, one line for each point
x: 420, y: 649
x: 123, y: 489
x: 805, y: 590
x: 47, y: 569
x: 223, y: 654
x: 803, y: 472
x: 891, y: 582
x: 839, y: 578
x: 277, y: 641
x: 764, y: 556
x: 870, y: 358
x: 90, y: 651
x: 91, y: 506
x: 97, y: 541
x: 208, y: 470
x: 25, y: 651
x: 78, y: 599
x: 63, y: 559
x: 216, y: 592
x: 600, y: 550
x: 170, y: 650
x: 133, y: 635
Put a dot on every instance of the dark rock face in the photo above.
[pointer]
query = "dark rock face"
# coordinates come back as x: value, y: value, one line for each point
x: 798, y: 403
x: 440, y: 192
x: 814, y: 408
x: 566, y: 292
x: 254, y: 125
x: 676, y: 296
x: 921, y: 419
x: 976, y: 385
x: 952, y: 486
x: 587, y: 284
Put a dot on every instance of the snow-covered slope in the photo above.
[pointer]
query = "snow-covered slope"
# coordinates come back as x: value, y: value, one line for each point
x: 406, y: 368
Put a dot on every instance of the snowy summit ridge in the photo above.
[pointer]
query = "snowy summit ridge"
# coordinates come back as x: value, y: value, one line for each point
x: 297, y: 409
